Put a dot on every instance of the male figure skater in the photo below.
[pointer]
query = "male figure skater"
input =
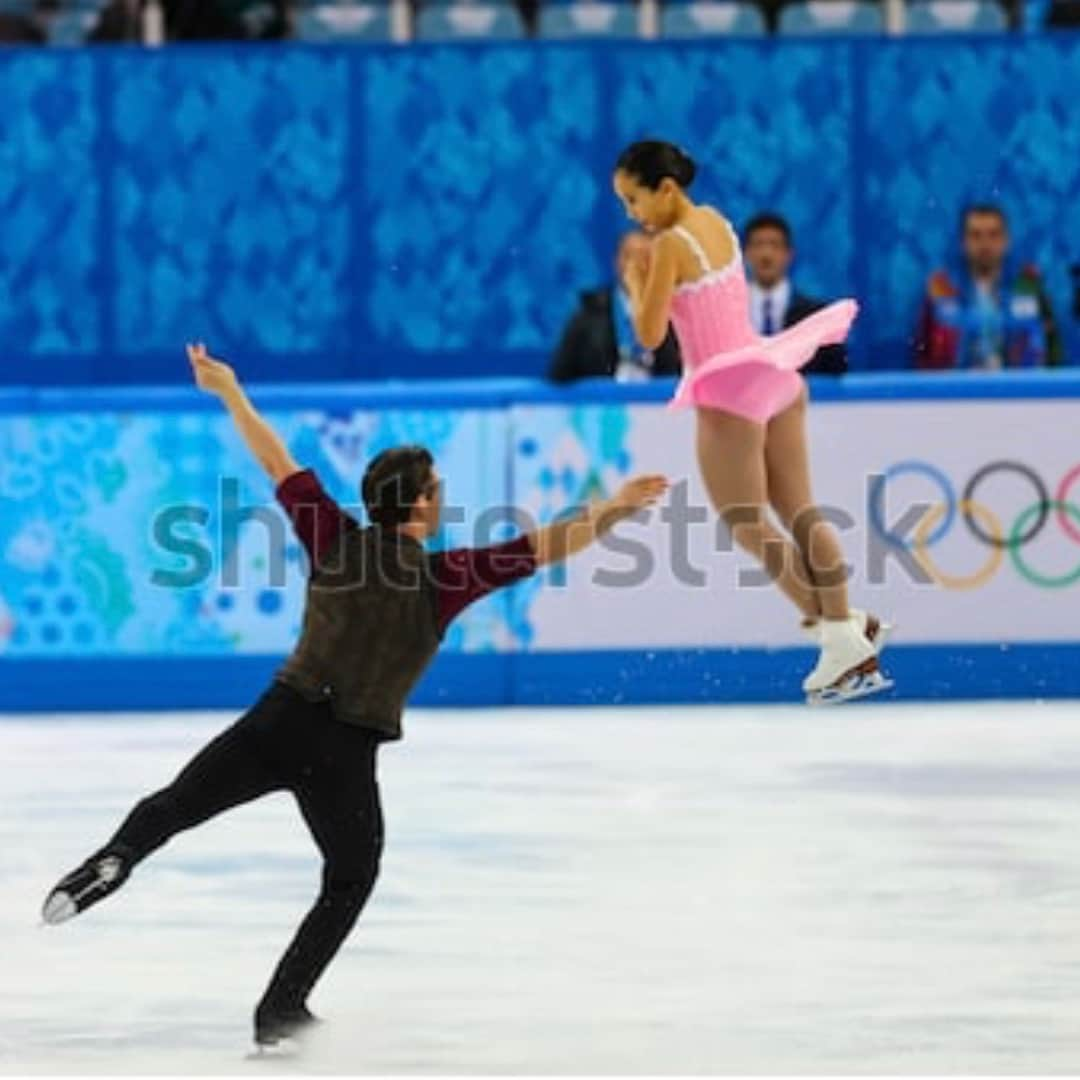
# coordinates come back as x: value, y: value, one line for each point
x: 377, y: 606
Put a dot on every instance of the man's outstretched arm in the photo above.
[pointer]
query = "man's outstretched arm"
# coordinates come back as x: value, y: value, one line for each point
x: 464, y: 575
x: 560, y: 540
x: 216, y: 377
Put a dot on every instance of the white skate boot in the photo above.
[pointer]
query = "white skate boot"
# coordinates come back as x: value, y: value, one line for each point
x: 100, y: 876
x: 848, y: 665
x: 875, y: 630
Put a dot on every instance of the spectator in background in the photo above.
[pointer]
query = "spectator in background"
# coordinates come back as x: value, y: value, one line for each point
x: 599, y: 339
x: 1059, y: 14
x: 774, y: 303
x: 988, y: 313
x: 119, y: 20
x: 226, y: 20
x: 20, y: 28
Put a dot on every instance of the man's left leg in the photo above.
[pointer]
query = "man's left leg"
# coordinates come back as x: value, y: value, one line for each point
x: 338, y: 795
x: 228, y: 771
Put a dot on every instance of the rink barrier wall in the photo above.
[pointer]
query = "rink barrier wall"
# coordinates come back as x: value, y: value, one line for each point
x: 519, y: 675
x: 603, y: 677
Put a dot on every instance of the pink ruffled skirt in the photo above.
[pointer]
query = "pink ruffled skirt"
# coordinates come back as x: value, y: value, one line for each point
x: 760, y: 380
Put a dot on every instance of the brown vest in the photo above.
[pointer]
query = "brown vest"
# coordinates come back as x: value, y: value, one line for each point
x: 370, y: 629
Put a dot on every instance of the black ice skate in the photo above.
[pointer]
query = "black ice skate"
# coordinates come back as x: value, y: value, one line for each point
x: 99, y: 876
x: 274, y: 1026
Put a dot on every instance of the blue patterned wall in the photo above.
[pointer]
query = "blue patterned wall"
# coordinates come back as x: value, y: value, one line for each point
x: 482, y: 189
x: 230, y: 199
x: 51, y: 254
x: 433, y: 210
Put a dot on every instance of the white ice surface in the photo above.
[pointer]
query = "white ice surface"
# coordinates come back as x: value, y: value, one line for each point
x: 863, y: 889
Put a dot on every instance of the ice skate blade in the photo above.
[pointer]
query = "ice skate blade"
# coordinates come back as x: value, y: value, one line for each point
x: 59, y: 907
x: 859, y: 686
x: 282, y: 1050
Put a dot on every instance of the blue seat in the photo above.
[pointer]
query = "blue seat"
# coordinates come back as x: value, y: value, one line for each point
x: 831, y: 17
x: 341, y: 22
x: 709, y: 18
x: 460, y: 22
x: 588, y: 19
x: 955, y: 17
x: 71, y: 27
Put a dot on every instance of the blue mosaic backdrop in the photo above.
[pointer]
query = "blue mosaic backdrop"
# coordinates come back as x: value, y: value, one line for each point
x: 380, y: 212
x: 232, y: 219
x: 51, y: 252
x: 483, y: 191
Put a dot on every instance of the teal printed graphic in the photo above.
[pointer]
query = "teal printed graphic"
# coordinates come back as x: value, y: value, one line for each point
x: 563, y: 457
x: 157, y: 534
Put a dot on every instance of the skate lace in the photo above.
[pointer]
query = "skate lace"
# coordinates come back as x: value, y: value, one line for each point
x: 108, y: 869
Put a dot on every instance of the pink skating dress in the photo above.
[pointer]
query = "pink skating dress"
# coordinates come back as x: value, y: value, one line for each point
x: 727, y: 365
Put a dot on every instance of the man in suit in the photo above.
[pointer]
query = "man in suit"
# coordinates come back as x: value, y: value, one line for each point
x: 774, y: 303
x: 599, y: 339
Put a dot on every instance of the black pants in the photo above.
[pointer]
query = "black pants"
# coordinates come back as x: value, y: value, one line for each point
x: 284, y: 743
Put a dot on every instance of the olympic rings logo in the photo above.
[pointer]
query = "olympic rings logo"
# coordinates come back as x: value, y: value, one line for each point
x: 983, y: 524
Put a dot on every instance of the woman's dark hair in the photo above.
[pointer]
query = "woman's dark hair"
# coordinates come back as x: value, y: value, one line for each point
x: 393, y: 482
x: 650, y: 162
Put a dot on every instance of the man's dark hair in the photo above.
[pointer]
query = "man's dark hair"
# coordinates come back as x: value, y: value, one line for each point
x: 393, y: 482
x: 991, y: 209
x: 767, y: 220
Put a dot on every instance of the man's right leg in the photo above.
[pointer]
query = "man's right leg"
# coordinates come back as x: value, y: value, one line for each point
x: 225, y: 773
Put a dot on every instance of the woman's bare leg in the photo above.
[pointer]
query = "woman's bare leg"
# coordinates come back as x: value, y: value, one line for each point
x: 787, y: 468
x: 731, y: 455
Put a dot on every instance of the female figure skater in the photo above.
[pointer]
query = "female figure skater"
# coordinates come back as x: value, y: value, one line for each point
x: 751, y: 406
